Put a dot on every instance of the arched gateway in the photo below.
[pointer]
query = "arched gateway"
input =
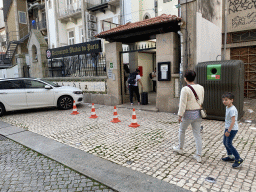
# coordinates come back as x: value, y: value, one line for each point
x: 149, y: 43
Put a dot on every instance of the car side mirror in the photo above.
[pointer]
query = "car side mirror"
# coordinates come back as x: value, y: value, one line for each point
x: 47, y: 87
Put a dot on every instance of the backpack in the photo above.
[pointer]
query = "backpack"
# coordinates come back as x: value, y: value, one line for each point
x: 132, y: 78
x: 150, y: 75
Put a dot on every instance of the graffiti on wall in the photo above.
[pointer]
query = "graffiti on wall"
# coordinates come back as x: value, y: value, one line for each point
x: 241, y: 15
x: 88, y: 86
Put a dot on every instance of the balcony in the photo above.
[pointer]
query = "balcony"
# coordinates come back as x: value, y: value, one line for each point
x: 101, y: 5
x: 41, y: 25
x: 71, y: 12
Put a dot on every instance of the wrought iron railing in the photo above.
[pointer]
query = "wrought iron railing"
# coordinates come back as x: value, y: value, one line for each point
x: 94, y: 3
x: 78, y: 66
x: 40, y: 25
x: 17, y: 35
x: 70, y: 9
x: 106, y: 25
x: 2, y: 56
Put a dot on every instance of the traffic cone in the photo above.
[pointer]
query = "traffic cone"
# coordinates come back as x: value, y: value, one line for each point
x: 134, y: 123
x: 115, y: 118
x: 93, y: 114
x: 74, y: 109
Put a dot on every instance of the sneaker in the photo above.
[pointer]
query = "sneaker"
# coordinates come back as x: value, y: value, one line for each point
x: 178, y: 149
x: 228, y: 159
x: 237, y: 163
x: 198, y: 158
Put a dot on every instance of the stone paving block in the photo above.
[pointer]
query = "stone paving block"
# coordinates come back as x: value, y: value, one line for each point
x: 15, y: 157
x: 149, y: 146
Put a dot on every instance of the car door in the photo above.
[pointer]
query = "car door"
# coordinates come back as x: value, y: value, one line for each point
x: 13, y: 94
x: 37, y: 95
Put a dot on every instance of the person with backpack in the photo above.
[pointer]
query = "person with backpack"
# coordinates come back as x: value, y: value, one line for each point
x: 133, y: 80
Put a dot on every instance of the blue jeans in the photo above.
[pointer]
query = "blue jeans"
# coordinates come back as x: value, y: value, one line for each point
x: 227, y: 141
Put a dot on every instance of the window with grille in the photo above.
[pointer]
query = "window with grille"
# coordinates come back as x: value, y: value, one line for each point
x: 22, y: 17
x: 71, y: 38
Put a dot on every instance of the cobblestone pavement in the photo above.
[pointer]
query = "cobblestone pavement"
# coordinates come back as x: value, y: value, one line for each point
x: 25, y: 170
x: 148, y: 148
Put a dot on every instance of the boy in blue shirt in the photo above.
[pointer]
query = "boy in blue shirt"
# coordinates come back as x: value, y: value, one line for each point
x: 231, y: 128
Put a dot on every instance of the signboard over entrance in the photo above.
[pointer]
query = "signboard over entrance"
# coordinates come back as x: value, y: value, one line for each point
x: 77, y: 49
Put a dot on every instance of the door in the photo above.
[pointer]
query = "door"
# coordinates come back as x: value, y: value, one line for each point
x: 248, y: 56
x: 37, y: 95
x: 13, y: 94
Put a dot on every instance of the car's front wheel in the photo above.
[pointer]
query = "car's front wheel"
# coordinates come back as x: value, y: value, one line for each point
x: 65, y: 102
x: 2, y: 110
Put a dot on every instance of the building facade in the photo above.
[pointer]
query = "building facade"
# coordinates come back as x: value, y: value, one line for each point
x: 239, y: 25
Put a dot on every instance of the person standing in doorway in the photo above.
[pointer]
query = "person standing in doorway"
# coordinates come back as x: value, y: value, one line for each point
x: 153, y: 74
x: 133, y: 80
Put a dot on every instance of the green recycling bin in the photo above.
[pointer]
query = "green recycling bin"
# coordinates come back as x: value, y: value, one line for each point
x: 218, y: 77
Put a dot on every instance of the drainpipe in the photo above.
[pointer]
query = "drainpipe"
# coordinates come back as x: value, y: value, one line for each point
x: 181, y: 59
x: 225, y: 38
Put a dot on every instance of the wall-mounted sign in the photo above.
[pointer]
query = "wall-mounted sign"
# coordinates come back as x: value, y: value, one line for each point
x: 111, y: 66
x: 85, y: 85
x: 109, y: 73
x: 77, y: 49
x: 164, y: 71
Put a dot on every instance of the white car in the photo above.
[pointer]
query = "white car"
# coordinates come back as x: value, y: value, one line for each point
x: 28, y: 93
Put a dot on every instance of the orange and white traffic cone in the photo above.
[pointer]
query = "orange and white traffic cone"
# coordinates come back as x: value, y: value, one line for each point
x: 74, y: 109
x: 115, y: 118
x: 93, y: 114
x: 134, y: 123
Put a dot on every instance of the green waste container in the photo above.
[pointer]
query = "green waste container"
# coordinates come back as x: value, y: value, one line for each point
x: 218, y: 77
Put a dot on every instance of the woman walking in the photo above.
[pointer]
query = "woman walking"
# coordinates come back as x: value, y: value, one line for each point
x: 189, y: 113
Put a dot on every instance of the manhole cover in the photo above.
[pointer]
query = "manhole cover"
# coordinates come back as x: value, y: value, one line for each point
x: 210, y: 179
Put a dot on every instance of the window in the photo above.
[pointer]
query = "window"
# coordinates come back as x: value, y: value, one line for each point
x: 22, y: 17
x: 13, y: 84
x: 71, y: 38
x: 69, y: 2
x: 81, y: 34
x: 33, y: 84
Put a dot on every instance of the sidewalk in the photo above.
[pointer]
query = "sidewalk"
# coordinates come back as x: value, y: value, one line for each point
x: 25, y: 170
x: 148, y: 148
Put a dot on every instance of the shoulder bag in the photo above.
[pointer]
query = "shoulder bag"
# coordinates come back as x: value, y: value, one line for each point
x: 203, y: 111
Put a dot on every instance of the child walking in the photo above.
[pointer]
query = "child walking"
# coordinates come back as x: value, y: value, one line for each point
x: 231, y: 128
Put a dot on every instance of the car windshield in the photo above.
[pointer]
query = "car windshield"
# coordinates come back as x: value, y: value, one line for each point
x: 51, y: 83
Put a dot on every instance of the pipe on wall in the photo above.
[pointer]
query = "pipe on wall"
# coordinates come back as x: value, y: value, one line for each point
x: 181, y: 59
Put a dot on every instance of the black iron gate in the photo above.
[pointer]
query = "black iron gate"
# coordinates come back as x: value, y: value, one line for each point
x: 78, y: 66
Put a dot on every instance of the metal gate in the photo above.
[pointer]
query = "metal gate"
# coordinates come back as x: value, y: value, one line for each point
x: 248, y: 56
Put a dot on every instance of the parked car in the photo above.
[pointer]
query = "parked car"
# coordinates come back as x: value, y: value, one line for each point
x: 29, y: 93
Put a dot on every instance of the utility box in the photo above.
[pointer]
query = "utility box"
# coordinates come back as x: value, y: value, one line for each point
x: 217, y: 78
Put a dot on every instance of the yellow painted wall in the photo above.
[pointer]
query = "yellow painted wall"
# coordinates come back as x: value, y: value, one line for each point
x: 21, y: 6
x: 11, y: 22
x: 146, y: 61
